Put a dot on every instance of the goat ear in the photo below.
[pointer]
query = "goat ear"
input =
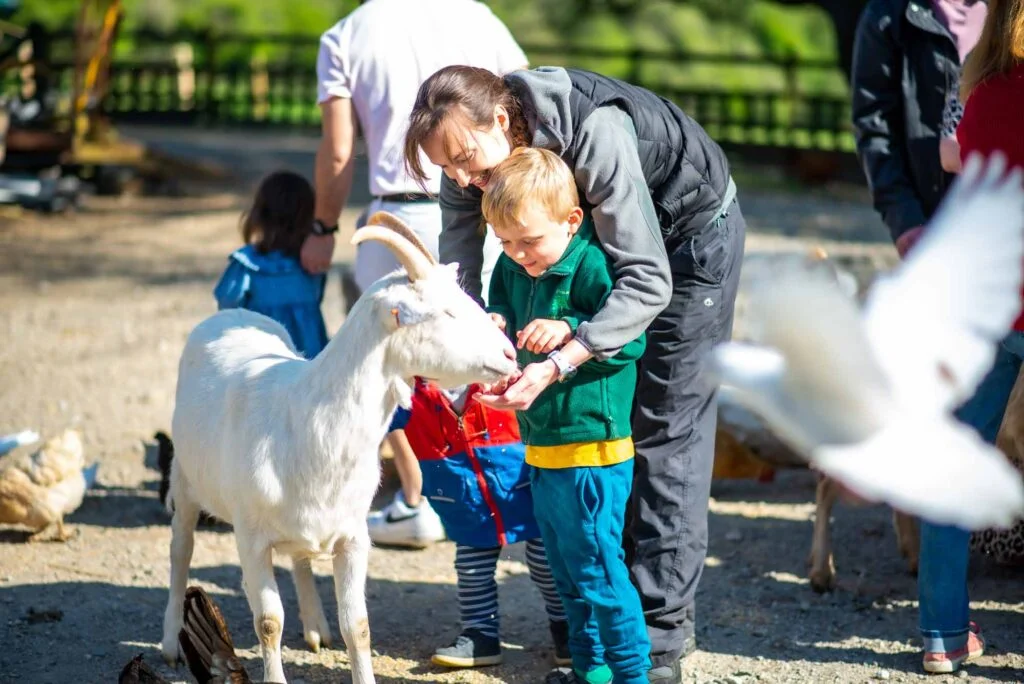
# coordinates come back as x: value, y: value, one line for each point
x: 454, y: 268
x: 402, y: 392
x: 409, y: 314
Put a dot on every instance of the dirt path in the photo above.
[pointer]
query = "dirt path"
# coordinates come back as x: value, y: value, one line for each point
x: 94, y: 309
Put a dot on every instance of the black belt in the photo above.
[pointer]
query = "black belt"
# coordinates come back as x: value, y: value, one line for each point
x: 407, y: 197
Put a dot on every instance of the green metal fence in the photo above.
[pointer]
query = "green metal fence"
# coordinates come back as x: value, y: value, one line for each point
x: 210, y: 79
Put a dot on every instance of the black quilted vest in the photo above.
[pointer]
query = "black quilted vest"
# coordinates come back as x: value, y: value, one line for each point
x: 686, y: 171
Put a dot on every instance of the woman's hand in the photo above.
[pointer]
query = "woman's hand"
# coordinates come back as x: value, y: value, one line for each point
x: 907, y: 240
x: 949, y: 154
x: 542, y: 336
x: 316, y: 252
x: 523, y: 390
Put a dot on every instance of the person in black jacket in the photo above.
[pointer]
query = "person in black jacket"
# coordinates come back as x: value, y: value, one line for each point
x: 906, y: 64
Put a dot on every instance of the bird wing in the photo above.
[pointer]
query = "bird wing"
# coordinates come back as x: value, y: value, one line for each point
x: 812, y: 376
x: 206, y: 642
x: 59, y: 459
x: 934, y: 323
x: 936, y: 468
x: 137, y: 671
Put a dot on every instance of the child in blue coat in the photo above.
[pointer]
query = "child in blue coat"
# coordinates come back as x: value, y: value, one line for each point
x: 265, y: 275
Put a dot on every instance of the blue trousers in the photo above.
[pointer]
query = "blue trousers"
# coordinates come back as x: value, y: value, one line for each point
x: 580, y: 512
x: 942, y: 572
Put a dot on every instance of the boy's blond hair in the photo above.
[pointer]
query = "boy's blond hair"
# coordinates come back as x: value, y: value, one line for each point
x: 529, y: 175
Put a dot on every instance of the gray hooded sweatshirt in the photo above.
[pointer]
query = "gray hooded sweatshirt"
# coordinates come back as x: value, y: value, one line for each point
x: 609, y: 175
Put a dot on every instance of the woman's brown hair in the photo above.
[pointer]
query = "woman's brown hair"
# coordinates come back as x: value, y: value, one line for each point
x: 1000, y: 46
x: 468, y: 91
x: 281, y: 216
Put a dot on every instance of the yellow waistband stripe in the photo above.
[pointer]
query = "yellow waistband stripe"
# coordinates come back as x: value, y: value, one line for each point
x: 581, y: 454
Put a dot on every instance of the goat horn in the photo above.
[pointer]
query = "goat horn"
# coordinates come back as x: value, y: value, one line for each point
x: 383, y: 218
x: 415, y: 263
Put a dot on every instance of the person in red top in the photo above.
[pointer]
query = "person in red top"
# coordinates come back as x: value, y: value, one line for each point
x: 992, y: 89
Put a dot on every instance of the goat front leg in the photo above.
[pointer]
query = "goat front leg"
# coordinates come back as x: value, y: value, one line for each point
x: 823, y: 569
x: 256, y: 558
x: 351, y: 558
x: 315, y: 629
x: 183, y: 532
x: 908, y: 538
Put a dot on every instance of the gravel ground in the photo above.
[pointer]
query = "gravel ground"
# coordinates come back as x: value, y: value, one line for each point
x: 94, y: 310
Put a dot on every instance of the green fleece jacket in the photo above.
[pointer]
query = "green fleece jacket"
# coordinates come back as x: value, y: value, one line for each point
x: 595, y: 404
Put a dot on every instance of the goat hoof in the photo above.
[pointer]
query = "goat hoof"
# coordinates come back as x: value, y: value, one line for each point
x: 171, y: 657
x: 317, y: 636
x: 315, y: 641
x: 823, y: 582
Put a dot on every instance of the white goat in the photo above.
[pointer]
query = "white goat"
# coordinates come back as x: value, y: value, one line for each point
x: 285, y: 449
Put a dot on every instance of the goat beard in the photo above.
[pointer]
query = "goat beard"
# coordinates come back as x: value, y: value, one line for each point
x: 401, y: 392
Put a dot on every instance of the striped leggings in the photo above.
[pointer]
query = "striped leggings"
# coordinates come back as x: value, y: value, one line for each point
x: 478, y: 591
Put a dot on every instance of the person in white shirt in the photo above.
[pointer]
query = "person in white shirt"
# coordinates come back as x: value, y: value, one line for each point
x: 370, y: 67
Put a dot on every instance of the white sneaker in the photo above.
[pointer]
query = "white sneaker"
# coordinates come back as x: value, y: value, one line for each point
x: 399, y: 524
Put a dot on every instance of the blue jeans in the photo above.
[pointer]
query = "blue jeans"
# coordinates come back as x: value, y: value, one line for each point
x: 942, y: 573
x: 580, y: 512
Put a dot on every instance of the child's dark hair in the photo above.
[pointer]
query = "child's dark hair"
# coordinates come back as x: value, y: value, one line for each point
x: 281, y: 216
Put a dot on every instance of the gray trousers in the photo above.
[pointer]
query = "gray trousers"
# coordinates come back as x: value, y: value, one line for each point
x: 674, y: 418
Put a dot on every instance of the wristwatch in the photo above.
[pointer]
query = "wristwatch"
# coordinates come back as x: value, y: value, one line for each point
x: 565, y: 369
x: 320, y: 229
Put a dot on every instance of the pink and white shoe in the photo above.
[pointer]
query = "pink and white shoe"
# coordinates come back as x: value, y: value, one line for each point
x: 945, y: 662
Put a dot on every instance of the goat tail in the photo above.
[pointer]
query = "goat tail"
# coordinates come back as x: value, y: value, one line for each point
x: 206, y: 642
x: 165, y: 454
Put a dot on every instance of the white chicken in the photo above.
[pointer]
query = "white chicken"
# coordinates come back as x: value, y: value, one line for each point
x: 38, y: 489
x: 867, y: 397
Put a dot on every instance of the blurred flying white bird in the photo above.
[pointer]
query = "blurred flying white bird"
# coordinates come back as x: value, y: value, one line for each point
x: 868, y: 396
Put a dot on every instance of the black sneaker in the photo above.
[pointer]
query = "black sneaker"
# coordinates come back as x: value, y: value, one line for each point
x: 471, y: 649
x: 567, y: 675
x: 666, y: 674
x: 562, y: 675
x: 560, y: 637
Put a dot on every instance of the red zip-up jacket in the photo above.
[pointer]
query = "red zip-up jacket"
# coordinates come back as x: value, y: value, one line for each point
x: 474, y: 468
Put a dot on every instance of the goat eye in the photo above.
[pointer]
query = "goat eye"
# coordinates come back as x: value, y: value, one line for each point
x: 449, y: 313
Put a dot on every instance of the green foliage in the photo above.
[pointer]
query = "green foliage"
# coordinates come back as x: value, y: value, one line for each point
x: 751, y: 28
x: 798, y: 31
x: 50, y: 13
x: 732, y: 11
x: 667, y: 26
x: 609, y: 33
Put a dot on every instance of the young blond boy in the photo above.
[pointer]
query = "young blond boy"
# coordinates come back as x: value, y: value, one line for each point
x: 552, y: 276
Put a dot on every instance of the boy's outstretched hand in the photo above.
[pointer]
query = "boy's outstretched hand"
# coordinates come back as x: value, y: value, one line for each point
x: 542, y: 336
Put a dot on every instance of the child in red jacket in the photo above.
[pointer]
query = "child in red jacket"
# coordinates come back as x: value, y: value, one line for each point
x: 477, y: 480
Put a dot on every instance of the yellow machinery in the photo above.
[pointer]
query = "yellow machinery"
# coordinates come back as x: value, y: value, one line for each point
x: 77, y: 137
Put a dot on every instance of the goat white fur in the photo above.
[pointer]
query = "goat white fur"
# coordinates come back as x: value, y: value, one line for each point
x: 285, y: 449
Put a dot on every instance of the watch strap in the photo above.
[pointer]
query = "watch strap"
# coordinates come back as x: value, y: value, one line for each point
x: 320, y: 229
x: 565, y: 368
